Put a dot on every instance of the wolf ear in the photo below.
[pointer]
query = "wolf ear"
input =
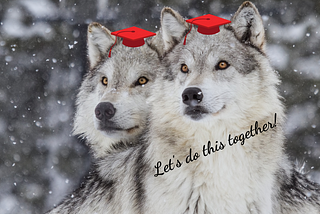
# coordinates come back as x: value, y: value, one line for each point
x: 100, y: 41
x: 173, y: 27
x: 248, y: 26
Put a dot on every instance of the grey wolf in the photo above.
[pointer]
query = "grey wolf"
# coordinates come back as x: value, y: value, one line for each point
x: 219, y: 85
x: 111, y: 104
x: 112, y: 109
x: 213, y: 87
x: 225, y: 84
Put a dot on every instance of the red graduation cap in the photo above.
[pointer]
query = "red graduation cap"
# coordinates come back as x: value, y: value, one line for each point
x: 207, y: 24
x: 132, y: 36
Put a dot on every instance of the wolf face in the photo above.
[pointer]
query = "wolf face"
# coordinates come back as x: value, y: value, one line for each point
x: 214, y: 77
x: 111, y: 104
x: 221, y: 76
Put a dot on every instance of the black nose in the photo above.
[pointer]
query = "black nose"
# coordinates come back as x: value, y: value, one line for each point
x: 104, y: 110
x: 192, y: 96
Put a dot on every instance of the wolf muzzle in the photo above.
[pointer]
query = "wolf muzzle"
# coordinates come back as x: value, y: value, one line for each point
x: 192, y: 96
x: 105, y: 111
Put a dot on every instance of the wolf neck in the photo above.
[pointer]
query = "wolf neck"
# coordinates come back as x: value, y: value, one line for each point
x: 228, y: 171
x: 102, y: 145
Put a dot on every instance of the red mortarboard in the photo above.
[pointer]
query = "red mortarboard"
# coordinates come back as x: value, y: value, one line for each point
x: 132, y: 36
x: 207, y: 24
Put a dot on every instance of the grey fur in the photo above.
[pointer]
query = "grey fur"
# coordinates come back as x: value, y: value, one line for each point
x: 107, y: 184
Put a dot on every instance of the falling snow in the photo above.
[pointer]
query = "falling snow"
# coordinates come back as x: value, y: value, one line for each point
x: 43, y: 46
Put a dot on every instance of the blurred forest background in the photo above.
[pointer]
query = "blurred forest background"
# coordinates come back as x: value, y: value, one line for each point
x: 43, y: 59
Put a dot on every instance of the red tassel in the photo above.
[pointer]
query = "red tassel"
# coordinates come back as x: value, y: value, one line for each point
x: 112, y: 47
x: 185, y: 38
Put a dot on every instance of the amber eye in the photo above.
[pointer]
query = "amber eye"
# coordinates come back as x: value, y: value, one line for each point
x: 223, y: 65
x: 104, y: 81
x: 142, y: 81
x: 184, y: 68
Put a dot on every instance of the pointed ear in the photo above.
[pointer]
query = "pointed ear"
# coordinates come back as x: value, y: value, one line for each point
x: 173, y: 27
x: 248, y: 26
x: 99, y: 42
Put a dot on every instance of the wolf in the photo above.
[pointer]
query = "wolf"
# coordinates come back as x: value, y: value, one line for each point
x: 216, y: 86
x: 112, y: 109
x: 111, y: 103
x: 190, y: 157
x: 225, y: 84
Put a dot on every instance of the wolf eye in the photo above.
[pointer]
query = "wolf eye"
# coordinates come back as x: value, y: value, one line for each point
x: 104, y: 81
x: 223, y: 65
x: 142, y: 81
x: 184, y: 68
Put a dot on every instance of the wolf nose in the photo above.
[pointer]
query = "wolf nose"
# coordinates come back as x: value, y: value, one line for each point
x: 192, y: 96
x: 104, y: 110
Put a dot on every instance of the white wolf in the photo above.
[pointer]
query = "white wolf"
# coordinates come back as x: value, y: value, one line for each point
x: 214, y: 143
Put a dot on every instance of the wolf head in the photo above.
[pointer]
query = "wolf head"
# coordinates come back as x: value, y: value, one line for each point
x: 216, y: 80
x: 111, y: 104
